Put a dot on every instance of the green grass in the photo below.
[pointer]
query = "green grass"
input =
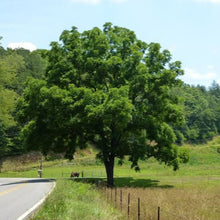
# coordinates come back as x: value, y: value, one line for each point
x: 74, y: 200
x: 202, y: 169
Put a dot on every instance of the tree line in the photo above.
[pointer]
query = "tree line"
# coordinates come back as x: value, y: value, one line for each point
x: 201, y: 109
x: 16, y: 67
x: 104, y: 88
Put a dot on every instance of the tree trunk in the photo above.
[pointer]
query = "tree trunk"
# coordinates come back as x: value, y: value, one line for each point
x: 109, y: 167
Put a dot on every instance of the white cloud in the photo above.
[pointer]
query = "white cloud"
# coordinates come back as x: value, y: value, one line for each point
x: 209, y: 1
x: 193, y: 74
x: 25, y: 45
x: 92, y: 2
x: 194, y: 77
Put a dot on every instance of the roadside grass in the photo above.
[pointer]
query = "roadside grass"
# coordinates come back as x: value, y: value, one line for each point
x: 189, y: 193
x: 74, y: 200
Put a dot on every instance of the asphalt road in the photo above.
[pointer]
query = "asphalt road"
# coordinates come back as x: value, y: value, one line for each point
x: 20, y: 195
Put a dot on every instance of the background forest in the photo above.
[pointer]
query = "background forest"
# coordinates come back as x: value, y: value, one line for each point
x: 201, y: 105
x: 16, y: 67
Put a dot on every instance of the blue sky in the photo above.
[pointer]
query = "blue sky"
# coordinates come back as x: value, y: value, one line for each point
x: 190, y: 29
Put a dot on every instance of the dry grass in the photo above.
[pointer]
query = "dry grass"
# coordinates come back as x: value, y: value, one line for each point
x: 21, y: 162
x: 32, y: 160
x: 175, y: 204
x: 29, y: 161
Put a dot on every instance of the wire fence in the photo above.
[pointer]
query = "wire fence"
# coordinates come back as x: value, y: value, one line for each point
x: 133, y: 208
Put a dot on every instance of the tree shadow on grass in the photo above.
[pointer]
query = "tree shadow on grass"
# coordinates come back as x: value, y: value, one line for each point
x: 126, y: 182
x: 144, y: 183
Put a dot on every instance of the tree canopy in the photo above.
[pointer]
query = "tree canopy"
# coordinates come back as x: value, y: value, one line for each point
x: 107, y: 88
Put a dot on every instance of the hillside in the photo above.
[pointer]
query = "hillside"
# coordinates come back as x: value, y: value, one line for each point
x: 204, y: 162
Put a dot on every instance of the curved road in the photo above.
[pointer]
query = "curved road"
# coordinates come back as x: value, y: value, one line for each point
x: 19, y: 195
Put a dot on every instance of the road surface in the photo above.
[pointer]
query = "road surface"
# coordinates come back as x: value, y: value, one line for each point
x: 18, y: 196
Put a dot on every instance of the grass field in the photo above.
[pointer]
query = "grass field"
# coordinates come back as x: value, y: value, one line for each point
x: 73, y: 200
x: 193, y: 192
x: 175, y: 203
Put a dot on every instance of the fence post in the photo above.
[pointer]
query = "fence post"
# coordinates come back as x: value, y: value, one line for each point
x: 139, y: 209
x: 121, y: 199
x: 128, y: 205
x: 111, y: 194
x: 107, y: 194
x: 158, y: 213
x: 115, y: 197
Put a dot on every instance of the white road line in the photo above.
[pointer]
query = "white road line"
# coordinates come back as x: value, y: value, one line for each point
x: 29, y: 212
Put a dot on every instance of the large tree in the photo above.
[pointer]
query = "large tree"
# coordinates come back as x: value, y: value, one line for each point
x: 107, y: 88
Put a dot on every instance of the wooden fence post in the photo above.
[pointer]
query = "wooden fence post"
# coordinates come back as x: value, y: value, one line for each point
x: 107, y: 194
x: 111, y: 194
x: 128, y: 205
x: 139, y: 209
x: 121, y: 199
x: 158, y: 213
x: 115, y: 197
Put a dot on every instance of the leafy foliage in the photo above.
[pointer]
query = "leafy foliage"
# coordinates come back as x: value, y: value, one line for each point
x: 108, y: 88
x: 201, y: 111
x: 15, y: 67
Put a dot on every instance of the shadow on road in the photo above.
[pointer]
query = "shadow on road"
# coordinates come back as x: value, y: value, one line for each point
x: 28, y: 181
